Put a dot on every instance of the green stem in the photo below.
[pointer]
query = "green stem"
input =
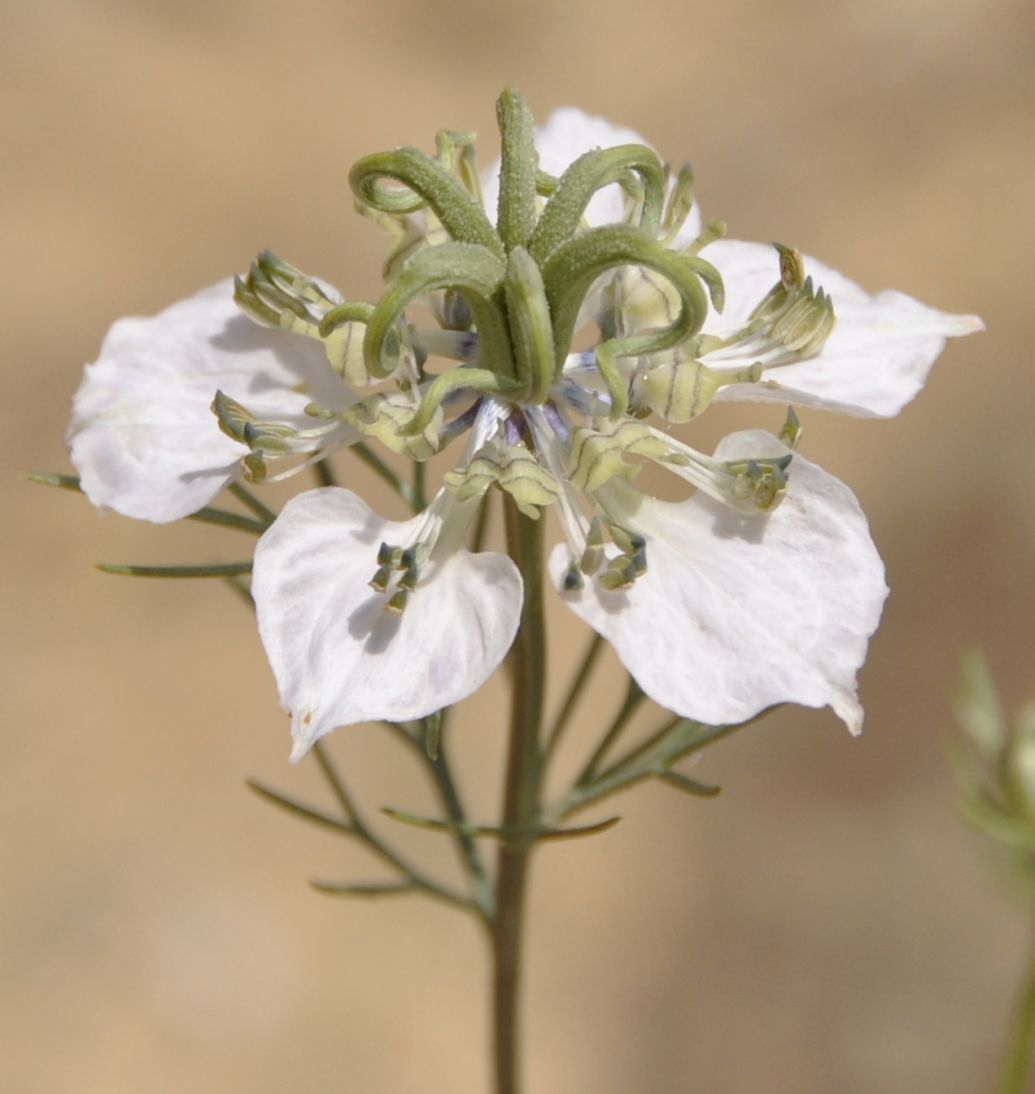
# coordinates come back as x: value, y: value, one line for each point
x: 521, y: 796
x: 206, y: 515
x: 647, y: 746
x: 356, y: 825
x: 481, y: 525
x: 633, y: 697
x: 222, y: 517
x: 418, y: 486
x: 1020, y: 1048
x: 247, y: 498
x: 681, y: 739
x: 582, y: 674
x: 214, y: 569
x: 324, y: 473
x: 241, y: 588
x: 384, y: 472
x: 449, y: 797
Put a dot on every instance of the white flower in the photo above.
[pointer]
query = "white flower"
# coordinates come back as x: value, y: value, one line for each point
x: 762, y: 587
x: 875, y: 359
x: 142, y: 435
x: 338, y: 656
x: 737, y: 613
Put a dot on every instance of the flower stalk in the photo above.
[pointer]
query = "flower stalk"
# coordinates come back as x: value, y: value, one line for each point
x: 521, y: 796
x: 1020, y: 1047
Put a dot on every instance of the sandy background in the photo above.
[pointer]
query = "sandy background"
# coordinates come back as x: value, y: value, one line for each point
x: 827, y: 924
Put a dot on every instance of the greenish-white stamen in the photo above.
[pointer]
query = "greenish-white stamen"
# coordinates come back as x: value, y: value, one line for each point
x: 747, y: 486
x: 791, y: 323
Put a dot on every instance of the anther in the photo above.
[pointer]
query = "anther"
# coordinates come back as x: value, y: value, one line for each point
x: 638, y: 563
x: 408, y: 581
x: 255, y: 467
x: 573, y: 579
x: 379, y: 582
x: 593, y: 555
x: 617, y: 576
x: 397, y: 604
x: 627, y: 542
x: 387, y: 555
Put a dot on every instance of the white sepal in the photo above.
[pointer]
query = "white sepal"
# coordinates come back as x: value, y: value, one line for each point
x: 143, y: 437
x: 735, y: 614
x: 338, y: 656
x: 875, y: 360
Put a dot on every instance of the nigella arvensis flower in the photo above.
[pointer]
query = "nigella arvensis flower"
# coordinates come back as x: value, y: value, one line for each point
x: 763, y: 586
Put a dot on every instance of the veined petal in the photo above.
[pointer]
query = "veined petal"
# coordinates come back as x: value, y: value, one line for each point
x: 875, y: 360
x: 143, y: 436
x: 337, y: 655
x: 734, y: 613
x: 566, y: 135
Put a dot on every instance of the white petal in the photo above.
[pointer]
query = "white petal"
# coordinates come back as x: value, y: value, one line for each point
x: 737, y: 613
x: 337, y: 655
x: 567, y: 134
x: 875, y: 361
x: 142, y: 435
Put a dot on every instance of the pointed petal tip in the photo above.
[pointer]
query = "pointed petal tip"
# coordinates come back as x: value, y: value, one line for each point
x: 848, y: 708
x: 968, y: 324
x: 302, y: 736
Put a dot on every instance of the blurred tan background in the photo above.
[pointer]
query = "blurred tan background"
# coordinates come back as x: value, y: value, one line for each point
x: 827, y: 924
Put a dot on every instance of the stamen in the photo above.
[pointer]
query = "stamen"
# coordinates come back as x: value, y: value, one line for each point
x: 447, y: 515
x: 583, y: 400
x: 593, y: 555
x: 453, y: 311
x: 277, y: 439
x: 627, y: 542
x: 459, y: 425
x: 512, y: 431
x: 379, y: 582
x: 791, y: 323
x: 405, y: 560
x: 790, y: 432
x: 749, y: 486
x: 552, y: 455
x: 573, y: 581
x: 388, y: 555
x: 557, y: 423
x: 617, y: 576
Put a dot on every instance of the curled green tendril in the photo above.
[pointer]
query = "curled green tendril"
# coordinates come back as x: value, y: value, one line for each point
x: 592, y: 171
x: 481, y: 380
x: 349, y: 312
x: 449, y: 147
x: 711, y: 278
x: 426, y: 182
x: 517, y: 207
x: 545, y: 183
x: 572, y: 269
x: 467, y: 170
x: 469, y: 270
x: 531, y: 333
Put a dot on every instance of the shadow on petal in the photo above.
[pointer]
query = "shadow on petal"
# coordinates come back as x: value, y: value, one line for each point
x: 728, y: 524
x: 373, y: 626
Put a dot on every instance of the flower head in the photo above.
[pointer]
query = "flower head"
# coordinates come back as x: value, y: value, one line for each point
x: 761, y: 587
